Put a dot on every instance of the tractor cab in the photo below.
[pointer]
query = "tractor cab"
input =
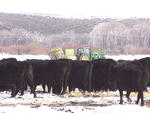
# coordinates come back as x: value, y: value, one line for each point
x: 88, y: 54
x: 83, y: 54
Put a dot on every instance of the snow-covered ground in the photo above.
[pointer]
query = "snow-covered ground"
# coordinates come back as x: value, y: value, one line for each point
x: 106, y: 102
x: 103, y: 102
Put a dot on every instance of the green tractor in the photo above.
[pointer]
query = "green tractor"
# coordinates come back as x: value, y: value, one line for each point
x: 81, y: 54
x: 88, y: 54
x: 97, y: 55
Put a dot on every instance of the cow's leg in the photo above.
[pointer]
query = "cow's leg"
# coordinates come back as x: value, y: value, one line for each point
x: 43, y: 86
x: 64, y: 89
x: 128, y: 96
x: 30, y: 82
x: 15, y: 90
x: 22, y: 92
x: 32, y: 87
x: 23, y: 88
x: 73, y: 88
x: 140, y: 96
x: 121, y: 96
x: 56, y: 89
x: 49, y: 86
x: 64, y: 86
x: 70, y: 88
x: 142, y: 100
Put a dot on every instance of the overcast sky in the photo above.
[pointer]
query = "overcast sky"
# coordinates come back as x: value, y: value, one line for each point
x: 80, y: 8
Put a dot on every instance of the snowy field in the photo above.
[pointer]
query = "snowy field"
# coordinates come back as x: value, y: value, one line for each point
x: 76, y: 102
x: 71, y: 103
x: 24, y: 57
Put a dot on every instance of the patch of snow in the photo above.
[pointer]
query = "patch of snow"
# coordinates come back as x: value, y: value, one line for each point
x: 76, y: 109
x: 122, y: 109
x: 127, y: 57
x: 27, y: 109
x: 24, y: 57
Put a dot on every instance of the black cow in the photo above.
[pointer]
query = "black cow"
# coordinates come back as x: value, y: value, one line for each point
x: 101, y: 74
x: 40, y: 71
x: 123, y: 62
x: 59, y: 71
x: 63, y: 73
x: 53, y: 73
x: 80, y: 76
x: 132, y: 76
x: 15, y: 75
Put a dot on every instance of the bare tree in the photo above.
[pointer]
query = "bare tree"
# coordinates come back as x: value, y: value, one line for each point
x: 107, y: 35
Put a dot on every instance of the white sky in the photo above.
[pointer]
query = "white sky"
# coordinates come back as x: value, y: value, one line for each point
x: 80, y: 8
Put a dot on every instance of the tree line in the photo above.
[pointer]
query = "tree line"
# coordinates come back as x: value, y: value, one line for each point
x: 122, y: 39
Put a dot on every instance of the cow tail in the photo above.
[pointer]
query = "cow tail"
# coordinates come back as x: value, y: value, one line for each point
x: 30, y: 78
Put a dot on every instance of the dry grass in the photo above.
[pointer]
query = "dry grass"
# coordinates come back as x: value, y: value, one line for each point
x: 91, y: 94
x: 146, y: 94
x: 102, y: 94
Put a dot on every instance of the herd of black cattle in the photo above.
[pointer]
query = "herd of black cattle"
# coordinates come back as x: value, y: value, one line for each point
x: 58, y: 75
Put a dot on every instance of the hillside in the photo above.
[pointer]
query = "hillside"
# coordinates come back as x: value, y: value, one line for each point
x: 46, y: 24
x: 34, y: 34
x: 51, y: 25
